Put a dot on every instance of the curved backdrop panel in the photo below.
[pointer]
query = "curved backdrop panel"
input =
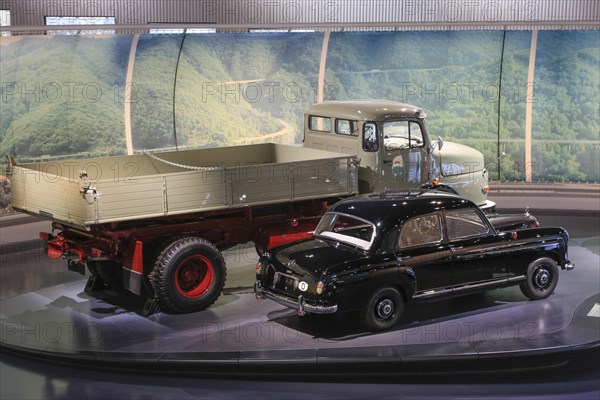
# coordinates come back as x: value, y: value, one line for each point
x: 72, y: 96
x: 60, y: 94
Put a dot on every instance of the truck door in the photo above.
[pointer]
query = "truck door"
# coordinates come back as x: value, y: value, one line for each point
x: 404, y: 157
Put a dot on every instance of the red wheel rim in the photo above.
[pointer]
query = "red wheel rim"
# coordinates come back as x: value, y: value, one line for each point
x: 194, y: 276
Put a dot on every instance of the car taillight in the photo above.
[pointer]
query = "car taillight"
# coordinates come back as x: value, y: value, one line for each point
x: 320, y: 287
x: 258, y: 268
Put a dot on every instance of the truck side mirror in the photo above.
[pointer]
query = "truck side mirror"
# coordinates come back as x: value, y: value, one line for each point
x: 439, y: 143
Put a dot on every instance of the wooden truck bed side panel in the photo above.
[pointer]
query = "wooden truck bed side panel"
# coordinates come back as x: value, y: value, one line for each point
x: 41, y: 193
x: 191, y: 190
x: 117, y: 201
x: 274, y: 174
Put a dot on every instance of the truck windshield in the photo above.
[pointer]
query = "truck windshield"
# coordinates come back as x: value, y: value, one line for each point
x: 401, y: 135
x: 347, y: 229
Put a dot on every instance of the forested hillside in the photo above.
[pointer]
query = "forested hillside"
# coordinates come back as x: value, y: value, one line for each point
x: 58, y: 95
x: 228, y: 87
x: 455, y: 77
x: 65, y: 95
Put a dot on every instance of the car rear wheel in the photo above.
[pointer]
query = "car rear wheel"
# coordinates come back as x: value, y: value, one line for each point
x: 383, y: 309
x: 542, y: 278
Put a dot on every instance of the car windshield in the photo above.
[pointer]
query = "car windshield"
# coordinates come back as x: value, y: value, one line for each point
x: 347, y: 229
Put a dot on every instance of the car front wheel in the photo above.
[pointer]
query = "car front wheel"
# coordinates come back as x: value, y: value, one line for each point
x: 542, y: 277
x: 383, y: 309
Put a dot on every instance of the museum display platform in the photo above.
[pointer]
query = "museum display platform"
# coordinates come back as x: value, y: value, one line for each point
x: 495, y: 330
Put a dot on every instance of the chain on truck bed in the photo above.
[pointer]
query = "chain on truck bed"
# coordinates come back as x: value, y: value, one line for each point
x: 184, y: 166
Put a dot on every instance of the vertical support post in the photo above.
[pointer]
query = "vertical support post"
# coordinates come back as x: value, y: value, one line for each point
x: 127, y: 99
x: 529, y: 106
x: 321, y: 82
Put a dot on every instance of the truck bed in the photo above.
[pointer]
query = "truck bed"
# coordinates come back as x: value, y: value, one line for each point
x: 84, y: 192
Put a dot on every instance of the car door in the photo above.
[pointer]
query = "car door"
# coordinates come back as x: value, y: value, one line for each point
x: 473, y: 242
x: 421, y: 247
x: 404, y: 155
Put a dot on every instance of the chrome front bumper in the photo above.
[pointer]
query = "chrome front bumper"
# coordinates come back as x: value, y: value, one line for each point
x: 298, y: 304
x: 568, y: 266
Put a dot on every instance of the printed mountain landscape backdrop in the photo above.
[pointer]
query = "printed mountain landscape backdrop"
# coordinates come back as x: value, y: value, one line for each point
x: 69, y: 96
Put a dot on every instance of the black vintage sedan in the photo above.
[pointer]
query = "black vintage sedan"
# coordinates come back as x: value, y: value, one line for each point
x: 377, y: 252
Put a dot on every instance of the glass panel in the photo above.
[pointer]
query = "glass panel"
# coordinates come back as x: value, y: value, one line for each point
x: 465, y: 223
x: 68, y: 100
x: 566, y: 97
x: 5, y: 20
x: 58, y: 21
x: 370, y: 139
x: 346, y: 127
x: 421, y: 230
x: 320, y: 124
x: 151, y: 100
x: 347, y: 229
x: 402, y: 135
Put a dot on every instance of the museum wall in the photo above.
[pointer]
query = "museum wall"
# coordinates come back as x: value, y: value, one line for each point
x: 70, y: 95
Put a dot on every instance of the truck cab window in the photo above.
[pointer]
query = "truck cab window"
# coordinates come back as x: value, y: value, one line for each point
x: 346, y: 127
x: 370, y: 137
x: 402, y: 135
x: 319, y: 124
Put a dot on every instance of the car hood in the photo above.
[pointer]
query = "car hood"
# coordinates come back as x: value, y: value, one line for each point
x: 314, y: 256
x: 458, y: 159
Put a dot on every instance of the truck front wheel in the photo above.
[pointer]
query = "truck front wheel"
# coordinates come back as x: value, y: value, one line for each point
x: 189, y: 275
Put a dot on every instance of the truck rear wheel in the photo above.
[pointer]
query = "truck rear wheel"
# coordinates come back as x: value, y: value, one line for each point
x: 189, y: 275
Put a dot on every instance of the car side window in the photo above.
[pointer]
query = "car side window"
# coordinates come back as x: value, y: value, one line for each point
x: 465, y: 223
x: 421, y: 230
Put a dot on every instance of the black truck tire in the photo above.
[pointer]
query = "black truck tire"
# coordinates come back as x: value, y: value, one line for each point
x: 542, y: 278
x: 189, y: 275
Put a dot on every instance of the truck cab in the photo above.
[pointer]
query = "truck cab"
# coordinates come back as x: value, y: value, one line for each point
x: 395, y: 149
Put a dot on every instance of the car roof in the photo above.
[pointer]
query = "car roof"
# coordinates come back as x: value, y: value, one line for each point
x: 398, y: 206
x: 365, y: 110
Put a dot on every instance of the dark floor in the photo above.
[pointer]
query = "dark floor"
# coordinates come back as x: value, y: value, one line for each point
x: 43, y: 295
